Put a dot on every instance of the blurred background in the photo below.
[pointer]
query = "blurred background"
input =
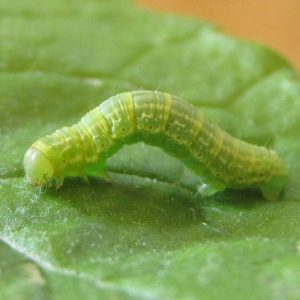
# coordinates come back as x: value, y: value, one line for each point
x: 275, y: 23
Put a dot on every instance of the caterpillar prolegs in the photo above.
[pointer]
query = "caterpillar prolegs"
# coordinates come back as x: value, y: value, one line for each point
x: 158, y: 119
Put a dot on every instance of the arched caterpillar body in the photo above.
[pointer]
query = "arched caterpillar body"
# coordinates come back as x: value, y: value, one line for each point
x: 158, y: 119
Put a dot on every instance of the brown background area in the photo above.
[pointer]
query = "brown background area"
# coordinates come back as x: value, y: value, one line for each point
x: 275, y: 23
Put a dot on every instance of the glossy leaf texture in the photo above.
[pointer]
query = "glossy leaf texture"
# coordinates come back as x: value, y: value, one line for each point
x: 147, y: 234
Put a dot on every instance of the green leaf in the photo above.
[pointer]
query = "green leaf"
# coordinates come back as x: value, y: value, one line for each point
x: 148, y: 234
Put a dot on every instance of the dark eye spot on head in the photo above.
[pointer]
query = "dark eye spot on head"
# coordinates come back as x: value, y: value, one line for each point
x: 123, y: 129
x: 150, y: 127
x: 102, y: 145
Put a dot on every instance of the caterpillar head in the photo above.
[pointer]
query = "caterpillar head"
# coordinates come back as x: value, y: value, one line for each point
x: 38, y: 168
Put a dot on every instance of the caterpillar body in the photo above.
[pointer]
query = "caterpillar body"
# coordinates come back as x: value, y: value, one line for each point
x: 158, y: 119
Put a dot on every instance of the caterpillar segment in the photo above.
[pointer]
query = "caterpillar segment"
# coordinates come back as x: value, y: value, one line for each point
x: 162, y: 120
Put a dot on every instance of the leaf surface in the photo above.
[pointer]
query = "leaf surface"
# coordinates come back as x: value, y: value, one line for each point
x: 148, y: 234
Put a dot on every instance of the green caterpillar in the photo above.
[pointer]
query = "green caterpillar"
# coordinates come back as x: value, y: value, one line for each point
x: 158, y: 119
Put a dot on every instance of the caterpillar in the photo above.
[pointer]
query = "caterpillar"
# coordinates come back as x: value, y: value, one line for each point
x: 162, y: 120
